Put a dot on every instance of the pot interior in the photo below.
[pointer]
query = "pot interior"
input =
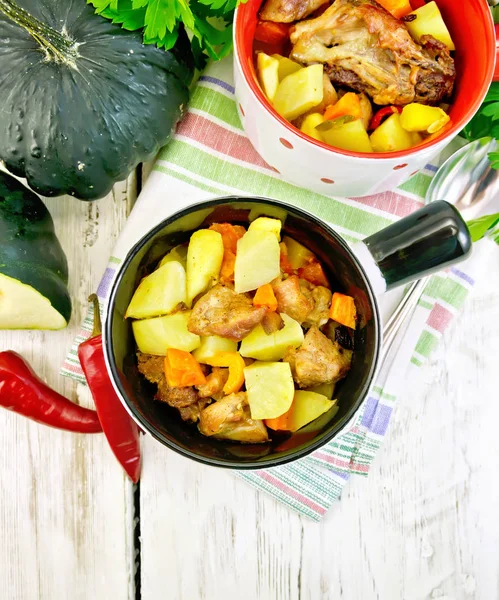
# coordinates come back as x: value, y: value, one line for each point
x: 163, y: 422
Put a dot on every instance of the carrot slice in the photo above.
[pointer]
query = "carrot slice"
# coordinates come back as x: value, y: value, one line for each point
x: 398, y: 8
x: 230, y: 236
x: 281, y: 423
x: 343, y: 310
x: 285, y: 265
x: 182, y: 369
x: 349, y: 104
x: 269, y: 32
x: 313, y: 272
x: 265, y: 297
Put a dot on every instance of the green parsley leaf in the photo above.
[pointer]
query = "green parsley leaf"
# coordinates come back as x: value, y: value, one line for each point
x: 479, y: 227
x: 486, y: 122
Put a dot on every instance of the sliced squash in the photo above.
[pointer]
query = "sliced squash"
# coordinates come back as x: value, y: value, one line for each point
x: 155, y: 336
x: 159, y: 293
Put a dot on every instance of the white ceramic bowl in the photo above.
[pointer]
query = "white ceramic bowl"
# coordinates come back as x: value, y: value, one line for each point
x: 317, y: 167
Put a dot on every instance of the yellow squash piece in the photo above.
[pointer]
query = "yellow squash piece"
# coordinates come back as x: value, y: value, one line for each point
x: 348, y: 136
x: 309, y: 125
x: 298, y: 255
x: 257, y: 260
x: 268, y: 74
x: 159, y: 293
x: 286, y: 66
x: 306, y: 407
x: 299, y: 92
x: 204, y: 259
x: 429, y: 21
x: 270, y: 388
x: 212, y: 345
x: 267, y: 224
x: 155, y: 336
x: 419, y: 117
x: 390, y: 136
x: 177, y: 254
x: 261, y: 346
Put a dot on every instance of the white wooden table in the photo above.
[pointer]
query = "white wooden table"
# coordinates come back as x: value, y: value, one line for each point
x: 423, y: 525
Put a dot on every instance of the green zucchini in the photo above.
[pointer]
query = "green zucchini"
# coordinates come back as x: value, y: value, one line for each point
x: 33, y: 266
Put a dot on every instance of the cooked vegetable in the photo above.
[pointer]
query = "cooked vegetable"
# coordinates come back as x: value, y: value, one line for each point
x: 274, y: 34
x: 419, y: 117
x: 230, y: 235
x: 284, y: 263
x: 212, y: 345
x: 398, y: 8
x: 429, y: 21
x: 343, y: 310
x: 257, y: 260
x: 313, y: 272
x: 235, y: 362
x: 267, y: 224
x: 329, y: 95
x: 155, y: 336
x: 299, y: 92
x: 347, y: 136
x: 348, y: 104
x: 265, y: 297
x: 268, y: 74
x: 182, y: 369
x: 380, y: 116
x: 59, y: 129
x: 366, y: 110
x: 159, y: 293
x: 270, y: 389
x: 298, y: 255
x: 272, y: 322
x: 33, y: 266
x: 204, y: 259
x: 306, y: 407
x: 286, y: 66
x: 273, y: 347
x: 177, y: 254
x: 390, y: 136
x: 309, y: 125
x: 325, y: 389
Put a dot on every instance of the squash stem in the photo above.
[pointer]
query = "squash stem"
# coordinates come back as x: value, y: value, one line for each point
x: 97, y: 329
x: 56, y: 45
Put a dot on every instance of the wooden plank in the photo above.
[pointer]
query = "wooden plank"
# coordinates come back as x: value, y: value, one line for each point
x: 66, y: 510
x: 422, y: 525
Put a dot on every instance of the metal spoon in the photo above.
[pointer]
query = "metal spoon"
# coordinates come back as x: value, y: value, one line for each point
x: 467, y: 181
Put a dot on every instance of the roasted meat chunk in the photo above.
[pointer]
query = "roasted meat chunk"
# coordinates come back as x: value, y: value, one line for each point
x: 287, y: 11
x: 294, y: 298
x: 319, y: 316
x: 318, y: 360
x: 223, y: 312
x: 230, y: 419
x: 215, y: 381
x: 184, y: 399
x: 363, y: 47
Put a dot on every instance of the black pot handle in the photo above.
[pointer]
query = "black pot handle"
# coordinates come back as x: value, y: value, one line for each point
x: 420, y: 244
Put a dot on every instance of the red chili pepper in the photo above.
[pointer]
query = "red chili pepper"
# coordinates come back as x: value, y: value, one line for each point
x: 381, y: 114
x: 23, y: 392
x: 272, y: 33
x: 120, y: 430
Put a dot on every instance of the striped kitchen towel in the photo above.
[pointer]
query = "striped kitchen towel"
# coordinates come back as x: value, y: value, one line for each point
x: 210, y: 156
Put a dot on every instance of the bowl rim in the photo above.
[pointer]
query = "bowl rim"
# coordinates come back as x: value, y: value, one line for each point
x: 251, y: 81
x: 308, y: 447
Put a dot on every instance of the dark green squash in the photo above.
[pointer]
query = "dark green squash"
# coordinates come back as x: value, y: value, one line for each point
x: 82, y: 100
x: 33, y: 266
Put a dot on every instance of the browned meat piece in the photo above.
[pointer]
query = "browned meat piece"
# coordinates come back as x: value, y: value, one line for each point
x: 363, y: 47
x: 322, y: 303
x: 272, y: 322
x: 287, y: 11
x: 152, y: 367
x: 318, y: 360
x: 215, y: 381
x: 193, y: 412
x: 230, y: 419
x: 294, y: 298
x: 223, y: 312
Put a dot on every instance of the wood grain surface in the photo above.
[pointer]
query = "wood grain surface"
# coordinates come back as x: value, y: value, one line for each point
x: 423, y: 525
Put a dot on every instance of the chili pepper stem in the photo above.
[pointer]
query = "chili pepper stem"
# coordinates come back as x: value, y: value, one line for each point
x: 97, y: 329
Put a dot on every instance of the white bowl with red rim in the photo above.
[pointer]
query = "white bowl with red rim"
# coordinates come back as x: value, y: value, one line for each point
x: 320, y: 168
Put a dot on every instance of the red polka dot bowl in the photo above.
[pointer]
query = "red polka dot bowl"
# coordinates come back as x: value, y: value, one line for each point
x: 320, y: 168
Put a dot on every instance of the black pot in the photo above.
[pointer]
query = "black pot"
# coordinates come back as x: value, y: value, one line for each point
x: 424, y: 242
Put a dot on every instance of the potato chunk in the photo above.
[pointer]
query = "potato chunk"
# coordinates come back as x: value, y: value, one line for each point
x: 257, y: 260
x: 177, y: 254
x: 419, y: 117
x: 429, y: 21
x: 298, y: 255
x: 286, y: 66
x: 159, y: 293
x: 270, y: 389
x: 390, y: 136
x: 309, y: 125
x: 299, y: 92
x: 267, y: 224
x: 348, y: 136
x: 268, y: 68
x: 155, y: 336
x: 272, y: 347
x: 204, y: 259
x: 211, y: 345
